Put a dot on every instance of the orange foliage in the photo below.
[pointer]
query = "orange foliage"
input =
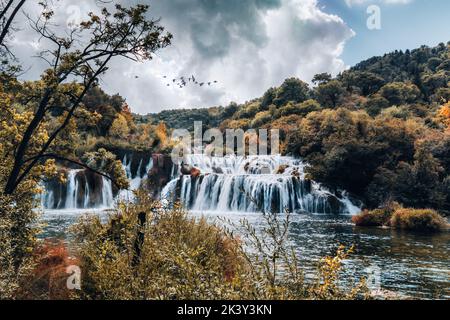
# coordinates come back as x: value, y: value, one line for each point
x: 127, y: 114
x: 49, y: 278
x: 444, y: 114
x: 161, y: 133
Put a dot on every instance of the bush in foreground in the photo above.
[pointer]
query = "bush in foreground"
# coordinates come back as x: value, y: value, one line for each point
x: 418, y: 220
x: 169, y: 255
x: 48, y: 278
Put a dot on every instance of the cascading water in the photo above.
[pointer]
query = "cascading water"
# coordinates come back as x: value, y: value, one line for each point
x: 136, y: 178
x: 72, y: 189
x: 84, y: 190
x: 107, y: 193
x: 254, y: 184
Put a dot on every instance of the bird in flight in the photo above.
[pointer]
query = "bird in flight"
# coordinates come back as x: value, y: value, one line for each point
x: 184, y: 81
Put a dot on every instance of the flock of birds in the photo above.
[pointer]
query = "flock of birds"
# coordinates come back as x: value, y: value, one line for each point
x: 183, y: 81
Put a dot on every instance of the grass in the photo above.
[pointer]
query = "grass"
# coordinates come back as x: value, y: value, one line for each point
x: 173, y: 256
x: 418, y: 220
x: 374, y: 218
x: 424, y: 220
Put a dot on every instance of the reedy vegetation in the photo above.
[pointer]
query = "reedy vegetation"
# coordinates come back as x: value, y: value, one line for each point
x: 187, y: 258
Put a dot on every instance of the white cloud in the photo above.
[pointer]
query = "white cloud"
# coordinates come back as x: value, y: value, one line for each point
x: 246, y: 46
x: 350, y: 3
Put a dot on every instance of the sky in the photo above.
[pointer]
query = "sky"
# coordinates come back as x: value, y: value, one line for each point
x: 248, y: 46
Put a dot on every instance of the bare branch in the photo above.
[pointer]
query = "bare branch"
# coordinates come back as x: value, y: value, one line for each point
x: 9, y: 22
x: 78, y: 163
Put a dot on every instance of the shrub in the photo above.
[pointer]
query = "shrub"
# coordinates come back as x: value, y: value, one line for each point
x: 173, y: 256
x: 48, y: 279
x: 375, y: 218
x: 261, y: 118
x: 418, y: 220
x: 180, y: 257
x: 301, y: 109
x: 17, y: 240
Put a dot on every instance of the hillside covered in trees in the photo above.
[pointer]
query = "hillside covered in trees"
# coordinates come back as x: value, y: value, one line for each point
x: 379, y: 130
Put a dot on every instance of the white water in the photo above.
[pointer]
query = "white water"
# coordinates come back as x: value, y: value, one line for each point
x: 72, y: 189
x: 76, y: 198
x: 254, y: 184
x: 226, y: 184
x: 136, y: 179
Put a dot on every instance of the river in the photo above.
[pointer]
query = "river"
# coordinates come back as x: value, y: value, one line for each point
x: 410, y: 264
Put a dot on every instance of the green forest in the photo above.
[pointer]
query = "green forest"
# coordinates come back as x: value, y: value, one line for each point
x: 379, y: 130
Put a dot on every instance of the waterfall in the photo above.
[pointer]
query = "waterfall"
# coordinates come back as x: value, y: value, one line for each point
x: 136, y: 178
x: 231, y: 183
x: 107, y: 194
x: 47, y: 199
x: 86, y: 195
x: 255, y: 184
x: 72, y: 190
x: 85, y: 190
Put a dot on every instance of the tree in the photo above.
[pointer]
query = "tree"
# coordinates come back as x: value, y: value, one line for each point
x: 125, y: 33
x: 321, y: 78
x: 97, y: 101
x: 293, y: 90
x: 8, y: 12
x: 330, y: 93
x: 432, y: 82
x: 444, y: 114
x: 268, y: 98
x: 433, y: 63
x: 345, y: 149
x: 367, y: 82
x: 301, y: 109
x: 419, y: 184
x: 261, y: 118
x: 375, y: 104
x: 162, y: 136
x: 398, y: 93
x: 17, y: 217
x: 445, y: 65
x: 119, y: 127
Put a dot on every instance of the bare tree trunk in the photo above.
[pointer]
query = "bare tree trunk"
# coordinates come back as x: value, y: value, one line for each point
x: 5, y: 9
x: 139, y: 241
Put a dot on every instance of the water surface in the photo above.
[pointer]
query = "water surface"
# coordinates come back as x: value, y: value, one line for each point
x: 411, y: 264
